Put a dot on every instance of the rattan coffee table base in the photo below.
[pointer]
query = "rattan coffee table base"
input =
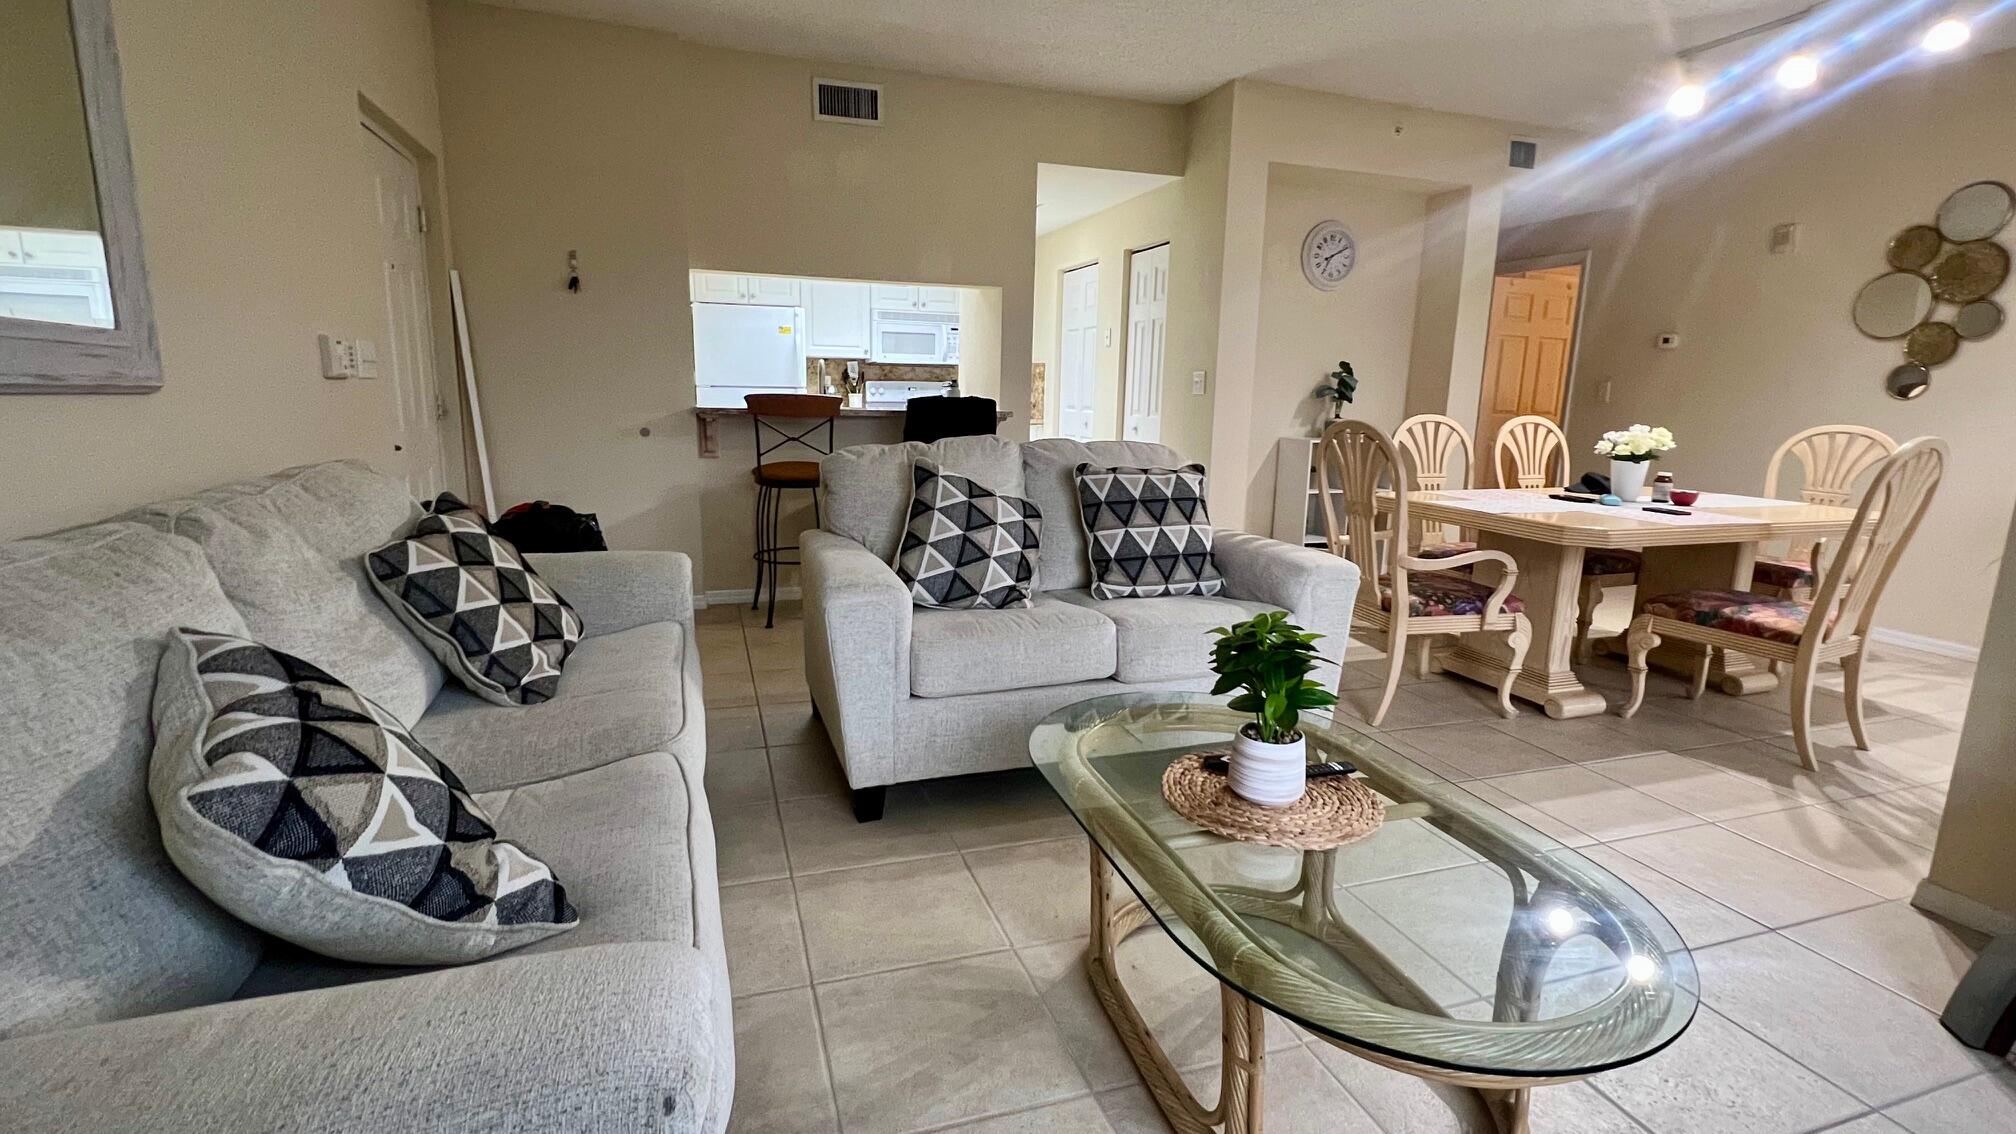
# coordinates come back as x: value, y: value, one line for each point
x: 1243, y: 1048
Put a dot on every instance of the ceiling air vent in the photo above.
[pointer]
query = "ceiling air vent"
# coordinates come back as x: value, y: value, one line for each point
x: 836, y: 101
x: 1524, y: 154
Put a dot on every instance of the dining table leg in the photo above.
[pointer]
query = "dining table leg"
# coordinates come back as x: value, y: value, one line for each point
x: 1550, y: 586
x: 1708, y: 566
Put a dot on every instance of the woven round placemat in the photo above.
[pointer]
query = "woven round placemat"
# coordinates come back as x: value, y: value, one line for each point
x: 1333, y: 810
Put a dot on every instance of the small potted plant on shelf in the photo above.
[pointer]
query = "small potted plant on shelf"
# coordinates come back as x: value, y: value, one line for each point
x: 1631, y: 452
x: 1339, y: 387
x: 1269, y: 658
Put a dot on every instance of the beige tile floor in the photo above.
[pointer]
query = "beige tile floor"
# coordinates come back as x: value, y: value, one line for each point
x: 922, y: 973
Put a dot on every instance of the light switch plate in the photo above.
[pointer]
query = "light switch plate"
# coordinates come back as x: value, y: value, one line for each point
x: 338, y: 356
x: 367, y: 358
x: 1196, y: 382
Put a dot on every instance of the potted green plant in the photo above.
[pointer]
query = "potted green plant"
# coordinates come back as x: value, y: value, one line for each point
x: 1339, y: 387
x: 1269, y: 658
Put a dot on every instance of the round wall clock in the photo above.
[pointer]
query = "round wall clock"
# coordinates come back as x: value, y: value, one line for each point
x: 1328, y: 254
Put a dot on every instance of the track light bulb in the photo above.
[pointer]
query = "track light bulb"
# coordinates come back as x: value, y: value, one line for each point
x: 1687, y: 100
x: 1949, y: 34
x: 1798, y: 72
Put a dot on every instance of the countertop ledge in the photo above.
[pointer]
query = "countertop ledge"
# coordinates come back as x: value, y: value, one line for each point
x: 710, y: 441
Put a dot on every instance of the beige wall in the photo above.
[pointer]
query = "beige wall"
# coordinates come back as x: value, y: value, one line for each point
x: 1368, y: 319
x: 46, y: 179
x: 255, y: 206
x: 650, y: 155
x: 1767, y: 347
x: 1272, y: 124
x: 1972, y: 858
x: 1105, y: 238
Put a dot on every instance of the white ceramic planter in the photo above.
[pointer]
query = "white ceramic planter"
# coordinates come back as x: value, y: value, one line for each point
x: 1627, y: 478
x: 1271, y: 775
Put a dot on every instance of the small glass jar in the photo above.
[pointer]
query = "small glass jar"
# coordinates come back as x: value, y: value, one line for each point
x: 1662, y: 488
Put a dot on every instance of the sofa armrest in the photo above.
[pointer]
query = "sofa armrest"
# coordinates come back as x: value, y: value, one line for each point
x: 606, y: 1037
x: 1317, y: 588
x: 857, y: 651
x: 616, y: 590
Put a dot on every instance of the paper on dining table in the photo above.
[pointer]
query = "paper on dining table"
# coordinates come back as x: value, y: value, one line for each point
x: 1516, y: 501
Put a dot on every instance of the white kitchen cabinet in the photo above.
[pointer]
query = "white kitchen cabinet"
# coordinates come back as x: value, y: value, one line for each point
x: 837, y: 318
x: 727, y: 287
x: 917, y: 297
x: 10, y: 246
x: 48, y: 248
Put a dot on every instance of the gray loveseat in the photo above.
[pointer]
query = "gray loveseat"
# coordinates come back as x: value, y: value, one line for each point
x: 911, y: 693
x: 129, y: 1002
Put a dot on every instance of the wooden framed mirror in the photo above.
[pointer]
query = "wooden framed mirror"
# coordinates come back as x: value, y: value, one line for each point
x: 75, y: 314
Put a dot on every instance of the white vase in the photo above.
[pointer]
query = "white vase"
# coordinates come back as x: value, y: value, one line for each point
x: 1627, y: 478
x: 1271, y: 775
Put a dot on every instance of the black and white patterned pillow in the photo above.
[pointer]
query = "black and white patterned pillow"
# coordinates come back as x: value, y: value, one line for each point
x: 966, y: 547
x: 488, y: 616
x: 1147, y: 532
x: 308, y: 811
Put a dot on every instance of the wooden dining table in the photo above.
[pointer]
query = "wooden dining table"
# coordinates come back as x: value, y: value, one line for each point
x: 1713, y: 547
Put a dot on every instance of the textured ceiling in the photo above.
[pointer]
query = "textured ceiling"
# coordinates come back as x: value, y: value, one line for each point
x: 1570, y: 63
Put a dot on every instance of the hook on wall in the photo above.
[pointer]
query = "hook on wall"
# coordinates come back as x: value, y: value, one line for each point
x: 573, y: 271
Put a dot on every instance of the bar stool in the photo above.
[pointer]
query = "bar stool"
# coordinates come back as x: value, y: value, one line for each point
x: 795, y: 420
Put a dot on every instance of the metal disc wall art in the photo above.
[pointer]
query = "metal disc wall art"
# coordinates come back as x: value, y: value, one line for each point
x: 1955, y: 263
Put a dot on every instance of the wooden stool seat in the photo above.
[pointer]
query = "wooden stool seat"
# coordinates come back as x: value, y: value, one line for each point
x: 787, y: 474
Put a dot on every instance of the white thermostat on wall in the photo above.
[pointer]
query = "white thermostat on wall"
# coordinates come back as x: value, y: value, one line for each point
x: 1669, y: 340
x: 1328, y: 255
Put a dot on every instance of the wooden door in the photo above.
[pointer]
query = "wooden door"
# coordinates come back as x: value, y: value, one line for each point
x: 1147, y: 331
x: 407, y: 356
x: 1078, y: 356
x: 1526, y: 357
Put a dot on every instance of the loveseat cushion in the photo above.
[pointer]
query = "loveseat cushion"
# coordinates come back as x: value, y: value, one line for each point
x: 99, y: 924
x: 480, y: 608
x: 1167, y: 638
x: 289, y: 550
x: 866, y: 488
x: 984, y: 651
x: 313, y: 814
x: 621, y: 694
x: 1049, y: 480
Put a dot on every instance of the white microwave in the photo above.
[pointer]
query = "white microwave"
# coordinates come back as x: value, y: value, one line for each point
x: 914, y: 337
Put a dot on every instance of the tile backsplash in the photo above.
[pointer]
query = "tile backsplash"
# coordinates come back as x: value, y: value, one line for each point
x: 879, y: 371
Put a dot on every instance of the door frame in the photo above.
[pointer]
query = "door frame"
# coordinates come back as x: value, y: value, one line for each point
x: 1126, y: 315
x: 453, y: 433
x: 1582, y: 260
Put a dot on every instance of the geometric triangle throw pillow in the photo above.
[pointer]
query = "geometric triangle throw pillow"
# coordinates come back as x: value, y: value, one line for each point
x: 965, y: 547
x: 1147, y: 531
x: 306, y: 810
x: 474, y: 602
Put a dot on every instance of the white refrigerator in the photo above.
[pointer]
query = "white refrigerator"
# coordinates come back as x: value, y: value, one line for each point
x: 744, y: 349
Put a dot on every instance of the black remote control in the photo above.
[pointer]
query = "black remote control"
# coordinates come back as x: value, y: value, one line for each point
x: 1216, y: 765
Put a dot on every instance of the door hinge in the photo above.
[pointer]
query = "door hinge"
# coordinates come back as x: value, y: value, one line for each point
x: 422, y: 210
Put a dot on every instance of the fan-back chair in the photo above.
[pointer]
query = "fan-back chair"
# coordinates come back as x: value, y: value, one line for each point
x: 1535, y: 451
x: 1832, y: 457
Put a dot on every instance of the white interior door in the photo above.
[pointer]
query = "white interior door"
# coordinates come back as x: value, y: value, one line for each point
x: 406, y: 350
x: 1147, y: 329
x: 1079, y: 352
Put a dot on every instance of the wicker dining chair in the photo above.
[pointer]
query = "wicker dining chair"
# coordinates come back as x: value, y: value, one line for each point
x: 1354, y: 462
x: 1535, y: 450
x: 1832, y: 457
x: 1835, y: 626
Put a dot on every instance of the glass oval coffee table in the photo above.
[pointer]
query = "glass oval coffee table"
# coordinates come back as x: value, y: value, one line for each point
x: 1454, y: 943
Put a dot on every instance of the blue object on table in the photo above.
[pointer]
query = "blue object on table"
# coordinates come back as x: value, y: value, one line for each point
x: 1611, y: 500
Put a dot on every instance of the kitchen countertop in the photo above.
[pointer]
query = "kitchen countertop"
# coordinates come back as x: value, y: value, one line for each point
x: 710, y: 416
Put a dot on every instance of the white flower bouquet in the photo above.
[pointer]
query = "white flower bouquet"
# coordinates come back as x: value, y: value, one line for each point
x: 1636, y: 444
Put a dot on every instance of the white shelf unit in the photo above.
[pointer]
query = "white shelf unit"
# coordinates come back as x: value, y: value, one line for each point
x: 1296, y: 519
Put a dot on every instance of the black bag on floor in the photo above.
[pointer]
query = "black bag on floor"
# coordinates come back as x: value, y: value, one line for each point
x: 544, y: 526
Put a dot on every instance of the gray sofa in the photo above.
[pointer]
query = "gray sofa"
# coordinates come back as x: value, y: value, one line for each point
x: 129, y: 1002
x: 910, y: 693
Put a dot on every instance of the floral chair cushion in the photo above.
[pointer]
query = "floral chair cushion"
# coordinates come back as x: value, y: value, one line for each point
x: 1612, y: 561
x: 1436, y: 594
x: 1783, y: 574
x: 1738, y: 612
x: 1445, y: 550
